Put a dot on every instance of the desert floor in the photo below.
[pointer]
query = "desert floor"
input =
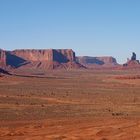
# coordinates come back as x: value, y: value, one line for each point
x: 71, y: 105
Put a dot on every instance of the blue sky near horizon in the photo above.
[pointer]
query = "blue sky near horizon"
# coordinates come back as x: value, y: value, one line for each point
x: 89, y: 27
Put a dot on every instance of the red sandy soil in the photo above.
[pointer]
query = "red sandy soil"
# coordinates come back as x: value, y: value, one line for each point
x: 73, y: 105
x: 74, y: 129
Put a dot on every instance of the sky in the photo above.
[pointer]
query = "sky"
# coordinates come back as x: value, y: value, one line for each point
x: 89, y: 27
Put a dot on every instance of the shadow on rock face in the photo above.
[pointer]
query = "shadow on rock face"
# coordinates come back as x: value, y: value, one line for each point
x: 133, y: 56
x: 2, y: 71
x: 15, y: 61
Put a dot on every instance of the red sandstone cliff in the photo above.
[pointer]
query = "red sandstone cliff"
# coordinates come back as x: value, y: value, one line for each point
x: 97, y: 61
x: 42, y: 59
x: 2, y: 58
x: 132, y: 63
x: 60, y: 55
x: 34, y: 55
x: 50, y: 59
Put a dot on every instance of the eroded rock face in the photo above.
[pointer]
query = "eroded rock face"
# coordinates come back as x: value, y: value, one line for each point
x: 133, y: 56
x: 2, y: 58
x: 97, y: 61
x: 2, y: 71
x: 61, y: 55
x: 108, y: 60
x: 43, y: 59
x: 34, y: 55
x: 64, y: 55
x: 133, y: 62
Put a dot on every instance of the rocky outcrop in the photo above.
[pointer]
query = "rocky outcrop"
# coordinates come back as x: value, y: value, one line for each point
x: 64, y: 55
x: 97, y: 61
x: 133, y: 56
x: 133, y: 62
x: 2, y: 58
x: 2, y: 71
x: 40, y: 59
x: 34, y: 55
x: 108, y: 60
x: 60, y: 55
